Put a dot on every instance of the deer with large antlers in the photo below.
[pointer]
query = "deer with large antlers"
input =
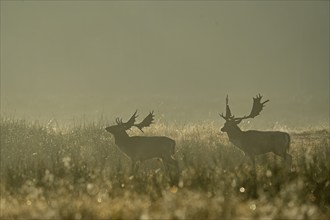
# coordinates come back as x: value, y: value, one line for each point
x: 141, y: 148
x: 253, y: 142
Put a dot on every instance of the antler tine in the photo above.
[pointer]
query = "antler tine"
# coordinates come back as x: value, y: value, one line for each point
x: 228, y: 112
x: 256, y: 108
x: 221, y: 115
x: 131, y: 121
x: 146, y: 122
x: 228, y: 116
x: 259, y: 97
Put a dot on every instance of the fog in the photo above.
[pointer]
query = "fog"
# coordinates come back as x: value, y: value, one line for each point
x: 86, y: 59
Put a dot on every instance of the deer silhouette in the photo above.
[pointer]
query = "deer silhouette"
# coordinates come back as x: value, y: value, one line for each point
x: 141, y: 148
x: 253, y: 142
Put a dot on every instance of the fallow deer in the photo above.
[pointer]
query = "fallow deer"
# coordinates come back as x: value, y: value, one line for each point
x: 141, y: 148
x: 253, y: 142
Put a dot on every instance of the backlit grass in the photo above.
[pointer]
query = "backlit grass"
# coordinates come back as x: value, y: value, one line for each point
x: 78, y: 173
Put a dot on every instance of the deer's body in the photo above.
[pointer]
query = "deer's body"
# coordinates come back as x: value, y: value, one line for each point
x: 135, y: 147
x: 253, y: 142
x: 141, y: 148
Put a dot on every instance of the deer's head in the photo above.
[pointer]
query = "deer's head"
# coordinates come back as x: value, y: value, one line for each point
x: 123, y: 126
x: 232, y: 122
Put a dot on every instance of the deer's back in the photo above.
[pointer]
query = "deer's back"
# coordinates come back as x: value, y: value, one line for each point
x: 260, y: 142
x: 145, y: 147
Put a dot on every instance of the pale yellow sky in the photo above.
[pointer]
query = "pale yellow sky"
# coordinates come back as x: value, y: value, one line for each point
x: 61, y: 57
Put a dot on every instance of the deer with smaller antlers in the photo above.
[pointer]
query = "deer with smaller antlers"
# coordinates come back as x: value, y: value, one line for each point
x: 141, y: 148
x: 253, y: 142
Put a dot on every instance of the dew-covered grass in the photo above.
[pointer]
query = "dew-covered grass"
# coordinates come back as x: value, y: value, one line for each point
x: 77, y: 172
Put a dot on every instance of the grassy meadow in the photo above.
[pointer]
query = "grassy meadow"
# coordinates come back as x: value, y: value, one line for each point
x: 77, y: 172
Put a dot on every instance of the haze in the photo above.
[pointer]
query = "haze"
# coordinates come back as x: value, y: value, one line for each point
x: 90, y: 59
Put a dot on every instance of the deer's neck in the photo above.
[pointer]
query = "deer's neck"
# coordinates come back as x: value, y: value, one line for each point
x: 235, y: 136
x: 121, y: 138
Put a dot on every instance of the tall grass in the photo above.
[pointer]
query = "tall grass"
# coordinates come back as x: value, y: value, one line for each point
x: 78, y: 173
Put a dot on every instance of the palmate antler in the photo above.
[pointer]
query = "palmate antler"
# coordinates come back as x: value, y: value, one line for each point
x: 146, y: 122
x: 127, y: 125
x: 256, y: 108
x: 131, y: 122
x: 255, y: 111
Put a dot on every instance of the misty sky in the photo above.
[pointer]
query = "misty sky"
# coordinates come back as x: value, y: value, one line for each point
x: 67, y: 59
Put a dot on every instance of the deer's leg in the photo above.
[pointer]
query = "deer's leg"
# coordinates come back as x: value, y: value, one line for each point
x: 253, y: 164
x: 166, y: 164
x: 251, y: 158
x: 174, y: 163
x: 176, y: 166
x: 168, y: 160
x: 135, y: 166
x: 288, y: 160
x: 254, y: 177
x: 240, y: 165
